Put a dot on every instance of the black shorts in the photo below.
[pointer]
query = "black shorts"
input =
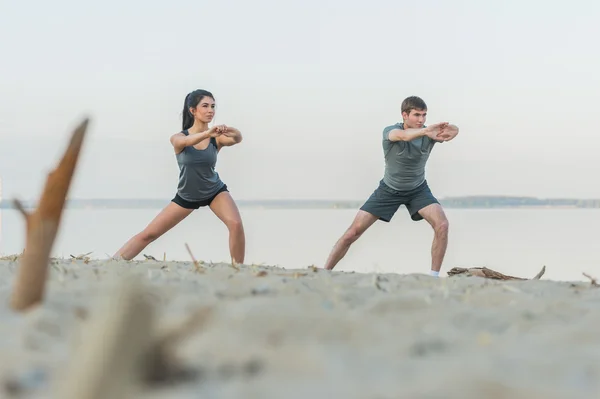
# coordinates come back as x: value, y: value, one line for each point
x: 385, y: 201
x: 197, y: 204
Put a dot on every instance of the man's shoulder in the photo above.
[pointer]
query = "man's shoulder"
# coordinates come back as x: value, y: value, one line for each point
x: 398, y: 125
x: 388, y: 129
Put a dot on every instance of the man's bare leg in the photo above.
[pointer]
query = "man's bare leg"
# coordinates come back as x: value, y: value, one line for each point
x: 361, y: 223
x: 434, y: 214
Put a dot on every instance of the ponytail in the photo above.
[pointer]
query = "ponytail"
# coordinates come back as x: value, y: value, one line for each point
x: 187, y: 119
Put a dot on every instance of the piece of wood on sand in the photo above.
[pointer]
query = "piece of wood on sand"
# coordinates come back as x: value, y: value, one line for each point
x: 122, y: 350
x: 42, y: 226
x: 109, y: 357
x: 489, y: 273
x: 161, y: 364
x: 593, y: 280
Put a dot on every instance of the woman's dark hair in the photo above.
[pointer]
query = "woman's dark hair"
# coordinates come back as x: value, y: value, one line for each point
x: 192, y: 100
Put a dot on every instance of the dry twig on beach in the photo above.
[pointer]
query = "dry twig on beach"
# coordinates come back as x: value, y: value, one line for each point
x: 197, y: 267
x: 42, y: 226
x: 376, y: 279
x: 593, y: 281
x: 160, y: 363
x: 83, y: 257
x: 234, y: 264
x: 121, y: 349
x: 489, y: 273
x: 108, y: 362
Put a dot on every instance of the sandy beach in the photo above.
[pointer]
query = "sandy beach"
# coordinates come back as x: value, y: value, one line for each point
x: 276, y: 333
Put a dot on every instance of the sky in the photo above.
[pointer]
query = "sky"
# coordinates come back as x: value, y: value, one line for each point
x: 310, y: 84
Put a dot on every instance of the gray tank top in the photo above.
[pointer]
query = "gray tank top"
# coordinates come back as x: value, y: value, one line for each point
x: 198, y: 179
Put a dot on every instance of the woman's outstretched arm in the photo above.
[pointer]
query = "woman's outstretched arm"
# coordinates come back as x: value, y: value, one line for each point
x: 180, y: 140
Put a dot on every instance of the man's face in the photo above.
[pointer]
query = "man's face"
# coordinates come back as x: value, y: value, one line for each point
x: 415, y: 119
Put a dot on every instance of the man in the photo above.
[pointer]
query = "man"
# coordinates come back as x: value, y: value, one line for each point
x: 406, y: 148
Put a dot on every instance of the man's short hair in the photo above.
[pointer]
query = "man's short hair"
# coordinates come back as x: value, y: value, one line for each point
x: 413, y: 102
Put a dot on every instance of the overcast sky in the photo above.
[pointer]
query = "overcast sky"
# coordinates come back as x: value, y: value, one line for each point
x: 311, y: 84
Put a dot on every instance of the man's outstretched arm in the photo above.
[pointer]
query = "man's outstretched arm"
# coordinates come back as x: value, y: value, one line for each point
x: 411, y: 134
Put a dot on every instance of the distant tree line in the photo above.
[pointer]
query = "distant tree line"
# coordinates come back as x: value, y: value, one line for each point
x: 449, y: 202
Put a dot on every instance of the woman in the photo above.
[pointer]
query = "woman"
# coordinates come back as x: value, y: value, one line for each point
x: 196, y: 148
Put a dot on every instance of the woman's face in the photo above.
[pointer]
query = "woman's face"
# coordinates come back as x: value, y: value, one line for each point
x: 205, y: 110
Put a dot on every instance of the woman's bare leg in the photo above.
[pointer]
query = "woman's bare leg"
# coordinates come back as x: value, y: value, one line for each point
x: 225, y: 208
x: 168, y: 218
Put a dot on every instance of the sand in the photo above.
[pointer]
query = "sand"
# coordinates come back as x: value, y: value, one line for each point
x: 277, y: 333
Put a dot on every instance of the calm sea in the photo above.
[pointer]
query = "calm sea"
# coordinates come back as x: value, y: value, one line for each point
x: 512, y: 241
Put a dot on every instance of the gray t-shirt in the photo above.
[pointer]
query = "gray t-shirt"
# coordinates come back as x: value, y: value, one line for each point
x: 198, y: 179
x: 405, y: 160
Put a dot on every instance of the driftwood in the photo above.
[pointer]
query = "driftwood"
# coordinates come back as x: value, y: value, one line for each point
x: 489, y: 273
x: 160, y: 362
x: 593, y: 281
x: 42, y: 226
x: 108, y: 360
x: 121, y: 349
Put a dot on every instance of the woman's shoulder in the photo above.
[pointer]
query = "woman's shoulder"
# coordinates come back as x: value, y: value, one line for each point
x: 180, y: 133
x: 175, y: 141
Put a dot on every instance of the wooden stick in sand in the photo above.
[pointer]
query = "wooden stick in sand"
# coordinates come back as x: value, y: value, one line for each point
x: 197, y: 267
x: 122, y: 351
x: 109, y: 361
x: 42, y: 226
x: 161, y: 363
x: 592, y: 280
x: 489, y: 273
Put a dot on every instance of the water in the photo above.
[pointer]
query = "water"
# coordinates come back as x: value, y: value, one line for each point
x: 513, y: 241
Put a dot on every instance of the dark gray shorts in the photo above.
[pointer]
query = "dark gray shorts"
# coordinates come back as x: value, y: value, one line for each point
x: 385, y: 201
x: 197, y: 204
